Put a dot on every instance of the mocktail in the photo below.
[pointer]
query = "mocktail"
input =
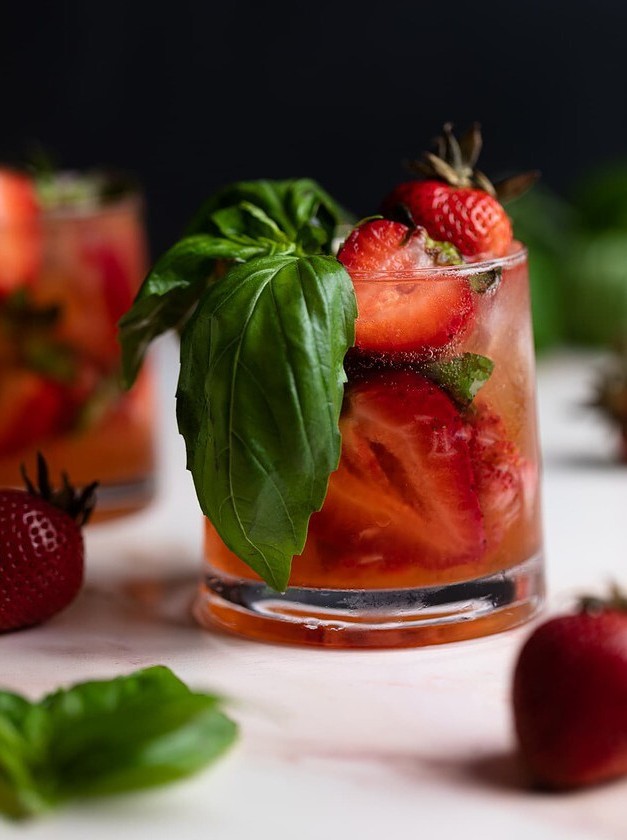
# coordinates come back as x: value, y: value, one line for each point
x: 72, y: 256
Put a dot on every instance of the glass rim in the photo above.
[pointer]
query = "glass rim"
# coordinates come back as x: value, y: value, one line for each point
x: 89, y: 210
x: 516, y: 256
x: 120, y: 192
x: 117, y: 189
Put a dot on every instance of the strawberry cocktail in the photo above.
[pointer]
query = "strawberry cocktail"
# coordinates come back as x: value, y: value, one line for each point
x: 72, y: 255
x: 360, y: 428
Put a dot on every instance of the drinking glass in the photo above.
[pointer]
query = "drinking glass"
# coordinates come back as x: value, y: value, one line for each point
x: 430, y: 531
x: 82, y: 261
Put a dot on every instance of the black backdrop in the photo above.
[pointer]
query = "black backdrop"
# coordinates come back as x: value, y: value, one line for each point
x: 193, y: 95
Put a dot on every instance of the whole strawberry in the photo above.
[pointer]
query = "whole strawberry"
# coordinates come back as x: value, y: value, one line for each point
x: 41, y: 549
x: 455, y: 202
x: 570, y: 697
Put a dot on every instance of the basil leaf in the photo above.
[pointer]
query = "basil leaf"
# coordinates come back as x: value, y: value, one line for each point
x: 259, y: 398
x: 133, y: 732
x: 170, y: 292
x: 300, y: 208
x: 24, y: 788
x: 245, y: 222
x: 462, y: 377
x: 104, y: 737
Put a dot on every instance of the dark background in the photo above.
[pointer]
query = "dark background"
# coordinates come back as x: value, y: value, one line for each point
x: 194, y: 95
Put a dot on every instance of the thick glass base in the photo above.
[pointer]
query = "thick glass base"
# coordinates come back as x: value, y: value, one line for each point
x: 122, y: 499
x: 382, y: 618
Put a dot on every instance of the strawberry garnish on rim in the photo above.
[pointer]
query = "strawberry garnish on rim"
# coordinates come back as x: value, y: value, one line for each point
x: 455, y: 201
x: 396, y: 314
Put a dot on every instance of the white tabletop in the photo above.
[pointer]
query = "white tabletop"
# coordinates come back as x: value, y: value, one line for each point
x: 335, y: 744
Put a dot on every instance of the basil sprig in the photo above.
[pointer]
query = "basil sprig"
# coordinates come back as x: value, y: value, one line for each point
x: 263, y: 342
x: 105, y: 737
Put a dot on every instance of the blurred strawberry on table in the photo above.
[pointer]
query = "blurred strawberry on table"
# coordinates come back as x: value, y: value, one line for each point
x: 570, y: 696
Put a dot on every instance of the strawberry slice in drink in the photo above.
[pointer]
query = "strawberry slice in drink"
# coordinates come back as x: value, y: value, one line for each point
x: 397, y: 313
x: 20, y: 234
x: 32, y: 409
x: 404, y: 491
x: 506, y: 481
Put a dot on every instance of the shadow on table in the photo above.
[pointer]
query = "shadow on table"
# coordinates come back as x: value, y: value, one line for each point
x: 502, y: 772
x: 597, y: 461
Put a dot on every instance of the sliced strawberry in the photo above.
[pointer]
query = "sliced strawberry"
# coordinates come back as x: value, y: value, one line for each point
x: 115, y: 291
x: 404, y: 491
x: 504, y: 479
x: 398, y: 314
x: 20, y: 233
x: 114, y: 280
x: 31, y: 409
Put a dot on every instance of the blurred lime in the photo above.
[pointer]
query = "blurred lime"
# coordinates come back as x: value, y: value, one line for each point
x: 595, y: 287
x: 600, y: 198
x: 595, y: 276
x: 545, y: 223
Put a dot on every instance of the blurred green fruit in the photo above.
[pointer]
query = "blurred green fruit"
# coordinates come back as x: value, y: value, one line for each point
x: 594, y: 285
x: 546, y: 299
x: 601, y: 198
x: 544, y: 222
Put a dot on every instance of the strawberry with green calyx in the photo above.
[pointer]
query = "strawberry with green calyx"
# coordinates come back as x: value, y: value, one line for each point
x: 41, y: 553
x: 570, y: 696
x: 611, y: 396
x: 456, y: 202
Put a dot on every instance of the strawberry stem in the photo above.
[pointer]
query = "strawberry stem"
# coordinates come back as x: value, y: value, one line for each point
x: 454, y: 162
x: 79, y: 505
x: 616, y: 600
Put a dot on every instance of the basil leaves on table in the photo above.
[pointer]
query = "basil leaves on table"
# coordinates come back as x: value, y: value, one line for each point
x: 266, y: 315
x: 106, y: 737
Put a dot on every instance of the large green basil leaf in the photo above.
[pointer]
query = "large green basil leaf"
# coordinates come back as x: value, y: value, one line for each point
x: 25, y: 786
x: 259, y: 398
x: 105, y: 736
x: 300, y: 208
x: 171, y: 290
x: 132, y: 732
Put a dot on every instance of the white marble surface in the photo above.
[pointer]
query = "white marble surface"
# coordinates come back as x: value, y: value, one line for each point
x: 335, y: 744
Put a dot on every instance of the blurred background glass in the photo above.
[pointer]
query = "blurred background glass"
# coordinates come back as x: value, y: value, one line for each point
x: 69, y: 268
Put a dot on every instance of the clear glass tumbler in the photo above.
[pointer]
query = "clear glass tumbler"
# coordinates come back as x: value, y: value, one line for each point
x: 80, y: 262
x: 430, y: 531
